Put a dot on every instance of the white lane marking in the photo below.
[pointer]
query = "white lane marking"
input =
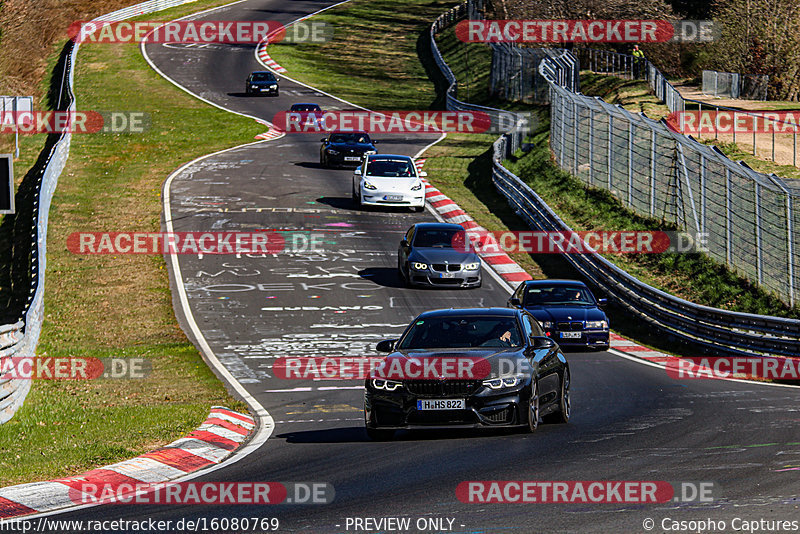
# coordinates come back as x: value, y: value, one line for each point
x: 307, y: 389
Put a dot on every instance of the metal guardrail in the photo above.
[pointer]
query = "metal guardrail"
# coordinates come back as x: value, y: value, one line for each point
x: 19, y: 340
x: 714, y: 330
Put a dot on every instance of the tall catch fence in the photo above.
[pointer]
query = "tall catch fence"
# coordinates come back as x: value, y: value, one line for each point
x: 750, y: 218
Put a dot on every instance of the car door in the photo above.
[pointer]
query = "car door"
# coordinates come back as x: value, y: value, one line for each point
x: 545, y: 361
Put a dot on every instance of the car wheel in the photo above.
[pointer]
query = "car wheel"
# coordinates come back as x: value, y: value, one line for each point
x: 323, y: 162
x: 247, y: 90
x: 564, y: 405
x: 533, y: 408
x: 406, y: 276
x: 355, y: 195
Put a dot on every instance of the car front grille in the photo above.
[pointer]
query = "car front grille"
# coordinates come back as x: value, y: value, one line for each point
x: 442, y: 388
x: 573, y: 326
x: 446, y: 268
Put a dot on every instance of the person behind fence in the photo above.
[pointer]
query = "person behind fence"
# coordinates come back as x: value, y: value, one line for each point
x: 638, y: 61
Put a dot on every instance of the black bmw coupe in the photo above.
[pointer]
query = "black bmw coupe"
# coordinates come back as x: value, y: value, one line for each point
x: 481, y: 367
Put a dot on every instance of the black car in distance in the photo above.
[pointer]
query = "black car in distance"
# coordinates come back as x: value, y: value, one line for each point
x: 345, y: 148
x: 567, y: 311
x: 512, y: 375
x: 261, y: 82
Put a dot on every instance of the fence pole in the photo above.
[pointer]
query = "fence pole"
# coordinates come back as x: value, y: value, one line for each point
x: 591, y: 146
x: 703, y: 193
x: 610, y: 156
x: 630, y: 162
x: 790, y: 247
x: 759, y: 267
x: 652, y: 172
x: 575, y: 123
x: 728, y: 217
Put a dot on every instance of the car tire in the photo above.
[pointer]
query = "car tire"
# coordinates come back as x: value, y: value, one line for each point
x: 323, y: 162
x: 602, y: 348
x: 564, y: 403
x: 247, y: 90
x: 356, y: 199
x: 533, y: 408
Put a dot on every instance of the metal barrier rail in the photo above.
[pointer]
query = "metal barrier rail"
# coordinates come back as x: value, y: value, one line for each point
x: 19, y: 340
x: 714, y: 330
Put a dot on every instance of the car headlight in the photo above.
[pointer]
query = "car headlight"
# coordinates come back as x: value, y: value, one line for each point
x: 388, y: 385
x: 369, y: 186
x: 502, y: 382
x: 597, y: 325
x: 472, y: 266
x: 417, y: 187
x: 419, y: 266
x: 331, y: 151
x: 547, y: 325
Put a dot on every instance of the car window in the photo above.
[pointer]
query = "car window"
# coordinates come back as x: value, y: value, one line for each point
x: 263, y: 77
x: 389, y: 168
x: 410, y: 234
x: 440, y: 238
x: 553, y: 295
x: 349, y: 138
x: 462, y: 332
x: 531, y: 326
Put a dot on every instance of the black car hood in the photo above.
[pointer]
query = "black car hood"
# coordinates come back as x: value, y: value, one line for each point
x: 442, y: 255
x: 566, y: 313
x: 490, y: 361
x: 263, y: 83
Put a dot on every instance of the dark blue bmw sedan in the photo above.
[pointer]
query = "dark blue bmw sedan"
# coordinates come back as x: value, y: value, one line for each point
x: 567, y: 310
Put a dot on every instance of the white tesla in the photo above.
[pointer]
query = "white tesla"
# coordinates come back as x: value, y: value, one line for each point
x: 389, y: 180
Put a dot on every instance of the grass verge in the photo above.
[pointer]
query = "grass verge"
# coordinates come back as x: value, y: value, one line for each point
x: 103, y: 306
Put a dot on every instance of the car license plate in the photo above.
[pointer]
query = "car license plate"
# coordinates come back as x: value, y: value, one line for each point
x: 393, y: 198
x: 352, y: 158
x: 570, y: 335
x: 447, y: 275
x: 441, y: 404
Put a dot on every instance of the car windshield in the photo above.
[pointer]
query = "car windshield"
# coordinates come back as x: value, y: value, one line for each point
x: 349, y: 138
x: 388, y: 168
x: 305, y: 107
x: 263, y: 77
x: 455, y: 332
x: 551, y: 295
x: 440, y: 238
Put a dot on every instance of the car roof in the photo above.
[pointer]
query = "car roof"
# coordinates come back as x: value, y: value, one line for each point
x: 462, y: 312
x: 572, y: 283
x: 388, y: 156
x: 438, y: 226
x: 359, y: 132
x: 261, y: 72
x: 305, y: 104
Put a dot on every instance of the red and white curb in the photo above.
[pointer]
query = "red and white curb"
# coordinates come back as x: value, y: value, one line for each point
x: 271, y: 134
x: 448, y: 210
x: 218, y: 437
x: 263, y: 55
x: 512, y: 273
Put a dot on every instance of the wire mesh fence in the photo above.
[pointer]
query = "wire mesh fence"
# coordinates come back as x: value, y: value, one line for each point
x: 733, y: 85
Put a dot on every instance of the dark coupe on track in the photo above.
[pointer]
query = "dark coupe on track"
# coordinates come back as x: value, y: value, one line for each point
x: 261, y: 83
x: 567, y: 311
x: 345, y: 148
x: 517, y: 376
x: 438, y: 254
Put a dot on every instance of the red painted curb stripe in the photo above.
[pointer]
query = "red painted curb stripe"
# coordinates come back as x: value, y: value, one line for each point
x: 227, y: 425
x: 210, y: 437
x: 235, y: 415
x: 453, y: 213
x: 178, y: 458
x: 498, y: 260
x: 11, y: 508
x: 444, y: 202
x: 516, y: 277
x: 633, y: 348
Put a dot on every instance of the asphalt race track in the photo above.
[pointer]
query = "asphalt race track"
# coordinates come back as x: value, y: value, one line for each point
x: 630, y: 421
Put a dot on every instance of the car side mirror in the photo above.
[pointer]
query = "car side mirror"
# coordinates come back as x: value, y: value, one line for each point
x: 375, y: 141
x: 357, y: 172
x: 324, y: 139
x: 514, y: 301
x: 387, y: 345
x: 601, y: 303
x: 404, y: 242
x: 277, y: 79
x: 542, y: 342
x: 423, y: 174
